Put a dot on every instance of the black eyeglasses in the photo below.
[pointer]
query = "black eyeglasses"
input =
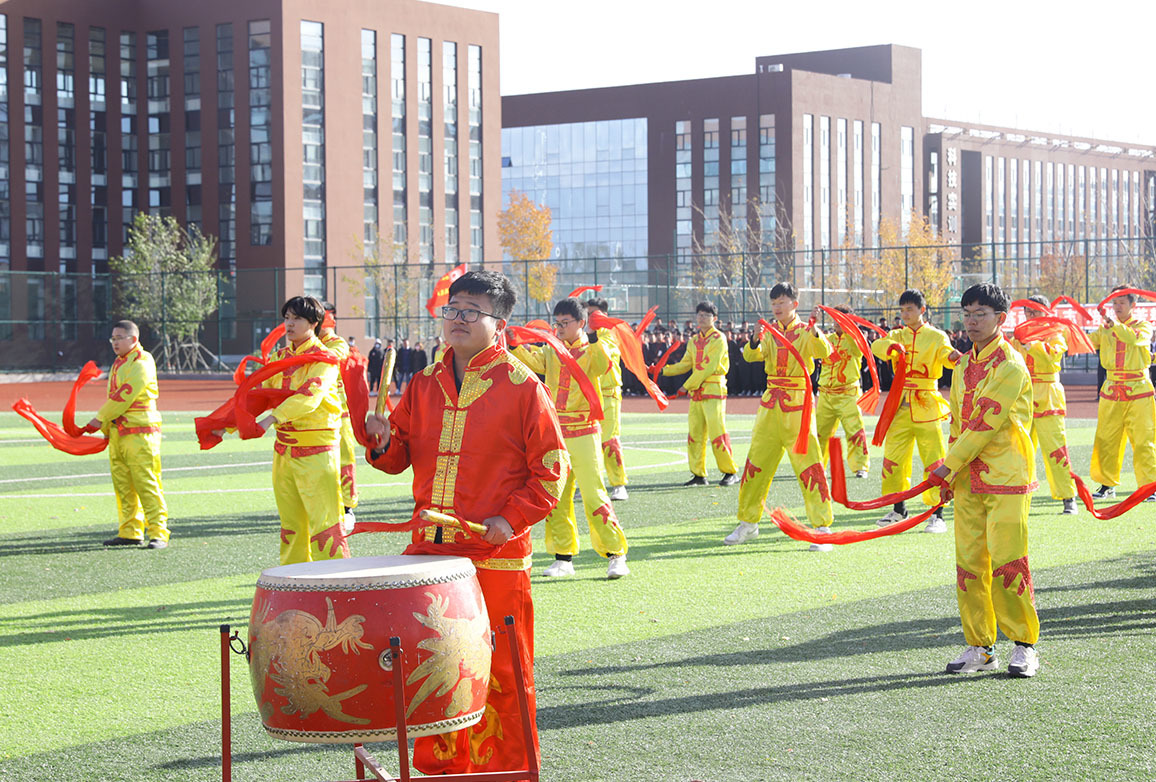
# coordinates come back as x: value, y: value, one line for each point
x: 467, y: 316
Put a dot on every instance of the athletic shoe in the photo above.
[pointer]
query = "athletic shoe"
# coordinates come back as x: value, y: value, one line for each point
x: 890, y: 518
x: 822, y: 546
x: 728, y: 479
x: 618, y: 493
x: 696, y: 480
x: 935, y: 525
x: 1069, y: 507
x: 119, y: 541
x: 1150, y: 498
x: 860, y: 473
x: 1104, y: 492
x: 1024, y: 662
x: 743, y: 532
x: 617, y: 567
x: 973, y: 660
x: 560, y: 568
x: 157, y: 543
x: 348, y: 522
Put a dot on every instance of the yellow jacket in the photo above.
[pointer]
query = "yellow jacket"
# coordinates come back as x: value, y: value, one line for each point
x: 338, y: 346
x: 840, y: 371
x: 569, y: 402
x: 708, y: 362
x: 928, y: 350
x: 991, y: 419
x: 1124, y: 353
x: 611, y: 382
x: 132, y: 395
x: 786, y: 380
x: 1044, y: 359
x: 309, y: 421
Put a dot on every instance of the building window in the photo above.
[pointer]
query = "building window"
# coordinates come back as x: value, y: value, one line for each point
x: 767, y: 173
x: 32, y: 60
x: 857, y: 133
x: 226, y: 149
x: 260, y: 134
x: 400, y: 190
x: 840, y: 181
x: 5, y: 184
x: 684, y: 225
x: 425, y: 148
x: 450, y: 136
x: 98, y: 149
x: 192, y: 69
x: 369, y: 140
x: 906, y: 175
x: 313, y: 149
x: 808, y: 185
x: 474, y: 64
x: 737, y: 209
x: 876, y: 181
x: 710, y: 181
x: 824, y: 186
x: 159, y: 158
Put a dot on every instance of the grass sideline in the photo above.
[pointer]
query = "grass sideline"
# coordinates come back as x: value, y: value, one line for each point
x: 762, y: 661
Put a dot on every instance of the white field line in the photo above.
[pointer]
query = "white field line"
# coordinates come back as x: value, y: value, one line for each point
x: 188, y: 491
x: 163, y: 471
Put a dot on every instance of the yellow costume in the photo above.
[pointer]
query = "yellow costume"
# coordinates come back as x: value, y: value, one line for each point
x: 306, y: 478
x: 923, y: 407
x: 993, y: 474
x: 582, y: 441
x: 348, y: 444
x: 1044, y: 359
x: 777, y: 425
x: 611, y: 387
x: 1126, y: 412
x: 839, y: 391
x: 707, y: 360
x: 130, y: 420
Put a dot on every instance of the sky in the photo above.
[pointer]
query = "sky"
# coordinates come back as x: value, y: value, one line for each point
x: 1082, y: 69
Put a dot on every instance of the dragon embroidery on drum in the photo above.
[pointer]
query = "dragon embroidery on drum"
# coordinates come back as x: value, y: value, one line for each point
x: 457, y: 642
x: 289, y: 649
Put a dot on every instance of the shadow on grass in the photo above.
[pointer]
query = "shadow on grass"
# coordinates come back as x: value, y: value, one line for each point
x: 214, y: 761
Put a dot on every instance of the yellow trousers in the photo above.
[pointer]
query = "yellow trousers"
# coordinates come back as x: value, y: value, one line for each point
x: 993, y: 582
x: 1051, y: 439
x: 134, y: 460
x: 899, y: 450
x: 707, y: 420
x: 612, y: 441
x: 606, y: 534
x: 774, y: 432
x: 1119, y: 423
x: 834, y: 409
x: 308, y: 493
x: 349, y: 450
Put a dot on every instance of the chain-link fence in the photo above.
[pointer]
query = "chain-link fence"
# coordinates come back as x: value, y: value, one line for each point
x: 52, y: 320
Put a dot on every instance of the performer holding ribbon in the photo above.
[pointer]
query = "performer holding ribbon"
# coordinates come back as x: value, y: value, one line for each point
x: 917, y: 423
x: 839, y: 392
x: 991, y: 467
x: 707, y: 360
x: 783, y: 422
x: 480, y: 432
x: 132, y: 424
x: 583, y: 436
x: 611, y: 387
x: 348, y: 444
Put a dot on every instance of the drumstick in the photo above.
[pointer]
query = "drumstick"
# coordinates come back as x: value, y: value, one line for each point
x: 386, y: 379
x: 445, y: 520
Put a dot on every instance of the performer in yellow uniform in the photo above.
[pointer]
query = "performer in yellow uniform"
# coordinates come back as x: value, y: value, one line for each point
x: 929, y: 351
x: 130, y: 421
x: 839, y: 391
x: 991, y: 467
x: 583, y: 439
x: 1044, y: 359
x: 1127, y: 412
x: 778, y: 421
x: 611, y: 387
x: 707, y: 360
x: 348, y: 444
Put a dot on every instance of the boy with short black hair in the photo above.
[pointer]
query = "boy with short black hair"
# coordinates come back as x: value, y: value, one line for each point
x: 837, y: 402
x: 610, y: 385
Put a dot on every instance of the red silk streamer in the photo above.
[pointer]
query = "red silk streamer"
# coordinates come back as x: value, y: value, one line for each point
x: 1032, y: 305
x: 441, y: 291
x: 90, y: 371
x: 582, y: 289
x: 1042, y: 327
x: 647, y: 319
x: 59, y: 439
x: 870, y: 398
x: 631, y: 354
x: 267, y: 345
x: 516, y: 335
x: 839, y: 484
x: 328, y: 322
x: 1125, y: 292
x: 353, y: 377
x: 808, y: 398
x: 656, y: 370
x: 895, y: 396
x: 1079, y: 308
x: 1120, y: 508
x: 225, y: 417
x: 796, y: 531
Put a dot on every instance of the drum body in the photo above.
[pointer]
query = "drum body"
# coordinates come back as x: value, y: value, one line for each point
x: 319, y: 654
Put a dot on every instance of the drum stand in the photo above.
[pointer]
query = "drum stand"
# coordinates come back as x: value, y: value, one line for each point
x: 363, y: 761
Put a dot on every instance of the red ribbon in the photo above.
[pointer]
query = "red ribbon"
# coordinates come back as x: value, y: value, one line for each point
x: 808, y: 398
x: 1125, y: 292
x: 656, y: 370
x: 895, y: 396
x: 59, y: 439
x: 631, y: 347
x: 1112, y: 511
x: 647, y: 319
x: 90, y: 371
x: 797, y: 531
x: 1040, y: 328
x: 839, y: 484
x: 582, y: 289
x: 517, y: 335
x: 1032, y: 305
x: 869, y: 399
x: 354, y: 378
x: 1079, y: 308
x: 267, y: 345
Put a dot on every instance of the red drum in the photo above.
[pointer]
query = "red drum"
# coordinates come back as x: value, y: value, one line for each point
x: 319, y: 647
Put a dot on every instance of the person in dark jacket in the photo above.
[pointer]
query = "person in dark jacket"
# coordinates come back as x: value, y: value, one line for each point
x: 376, y: 360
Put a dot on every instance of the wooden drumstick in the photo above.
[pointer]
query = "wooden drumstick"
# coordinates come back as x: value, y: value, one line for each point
x: 386, y: 379
x: 445, y: 520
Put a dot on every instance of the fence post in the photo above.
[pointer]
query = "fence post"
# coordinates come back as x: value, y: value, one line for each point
x: 1087, y: 273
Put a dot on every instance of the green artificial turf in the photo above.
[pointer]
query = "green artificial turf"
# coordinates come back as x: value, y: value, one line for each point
x: 761, y: 661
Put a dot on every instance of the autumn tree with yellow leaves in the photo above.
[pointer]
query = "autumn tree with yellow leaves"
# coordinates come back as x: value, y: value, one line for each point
x: 525, y: 236
x: 912, y: 259
x: 391, y: 284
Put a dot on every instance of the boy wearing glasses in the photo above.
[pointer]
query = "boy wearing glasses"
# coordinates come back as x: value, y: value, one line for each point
x: 481, y: 435
x: 991, y: 468
x: 130, y: 421
x: 583, y: 441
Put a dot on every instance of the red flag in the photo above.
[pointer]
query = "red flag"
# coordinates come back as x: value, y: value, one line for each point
x: 516, y: 335
x: 441, y: 291
x: 582, y: 289
x: 631, y: 353
x: 808, y: 398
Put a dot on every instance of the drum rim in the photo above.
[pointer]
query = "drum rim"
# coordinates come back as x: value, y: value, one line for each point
x: 378, y: 734
x: 448, y: 570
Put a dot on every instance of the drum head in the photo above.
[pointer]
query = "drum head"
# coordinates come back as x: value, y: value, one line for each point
x: 393, y: 572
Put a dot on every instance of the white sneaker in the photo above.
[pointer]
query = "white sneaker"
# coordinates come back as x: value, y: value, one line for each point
x: 618, y: 493
x: 860, y: 473
x: 348, y: 522
x: 974, y: 659
x: 559, y: 569
x: 935, y: 525
x: 890, y: 518
x: 617, y: 567
x: 1024, y: 662
x: 743, y: 532
x: 822, y: 546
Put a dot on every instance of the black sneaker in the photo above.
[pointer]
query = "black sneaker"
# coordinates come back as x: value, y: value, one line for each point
x: 728, y: 479
x: 1104, y: 492
x: 119, y: 541
x: 696, y: 480
x: 157, y: 543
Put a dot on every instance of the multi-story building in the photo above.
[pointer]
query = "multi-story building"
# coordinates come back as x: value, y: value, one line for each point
x: 296, y: 131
